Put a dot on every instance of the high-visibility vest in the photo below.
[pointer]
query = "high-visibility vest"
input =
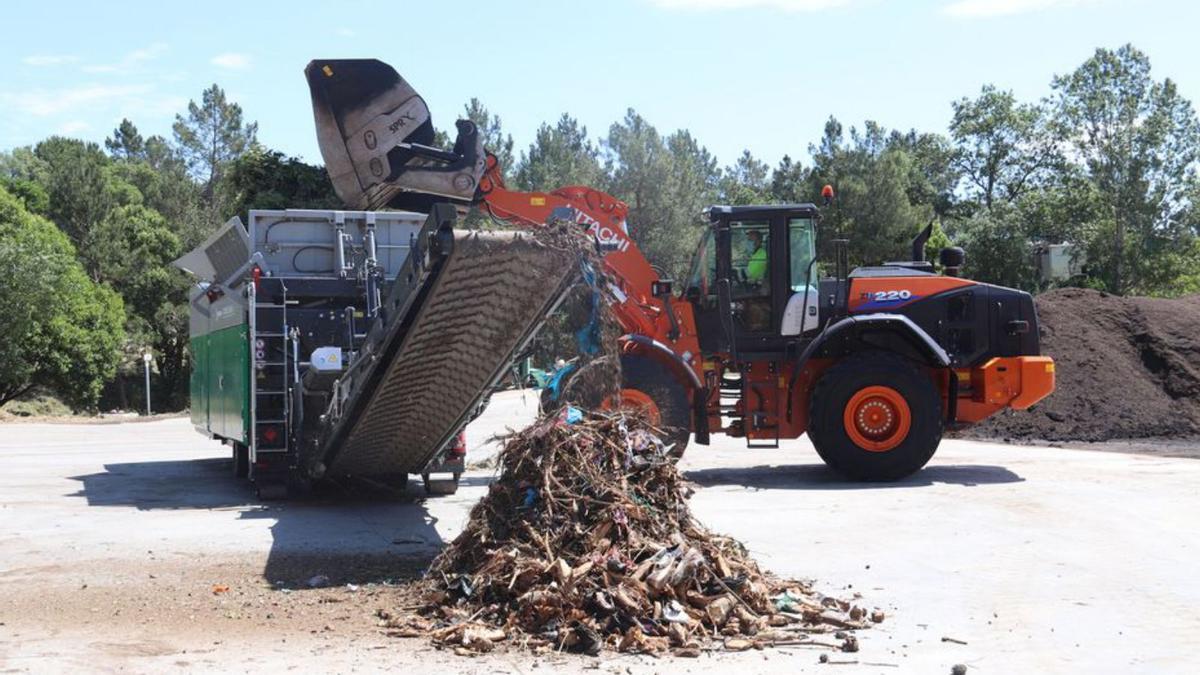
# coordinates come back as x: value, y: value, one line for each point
x: 756, y: 269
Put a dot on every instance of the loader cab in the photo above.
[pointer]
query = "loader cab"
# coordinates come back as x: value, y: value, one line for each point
x: 753, y: 284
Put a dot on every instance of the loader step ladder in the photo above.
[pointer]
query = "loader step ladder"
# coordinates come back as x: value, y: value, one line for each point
x: 733, y: 403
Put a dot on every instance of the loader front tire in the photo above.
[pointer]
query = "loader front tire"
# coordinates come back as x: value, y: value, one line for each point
x: 644, y: 383
x: 875, y: 417
x: 643, y: 378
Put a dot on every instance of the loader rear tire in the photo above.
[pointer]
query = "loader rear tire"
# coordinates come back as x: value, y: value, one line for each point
x: 875, y: 417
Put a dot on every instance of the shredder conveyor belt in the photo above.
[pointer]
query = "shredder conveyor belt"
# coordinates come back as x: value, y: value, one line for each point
x: 492, y: 292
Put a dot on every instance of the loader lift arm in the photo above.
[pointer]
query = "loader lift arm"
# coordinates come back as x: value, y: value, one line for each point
x: 631, y: 278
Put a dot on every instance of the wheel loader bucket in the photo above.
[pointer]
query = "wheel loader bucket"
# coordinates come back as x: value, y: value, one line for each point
x: 376, y: 137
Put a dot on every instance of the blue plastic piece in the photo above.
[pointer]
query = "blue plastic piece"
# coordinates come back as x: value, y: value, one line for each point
x: 554, y: 386
x: 530, y: 498
x: 588, y: 338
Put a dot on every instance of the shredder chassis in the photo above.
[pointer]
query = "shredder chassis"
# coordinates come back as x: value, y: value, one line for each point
x: 428, y: 318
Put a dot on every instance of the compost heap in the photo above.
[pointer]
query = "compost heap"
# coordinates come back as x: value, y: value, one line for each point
x: 1126, y: 368
x: 585, y: 542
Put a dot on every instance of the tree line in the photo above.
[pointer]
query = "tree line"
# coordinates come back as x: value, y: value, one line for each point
x: 1106, y: 163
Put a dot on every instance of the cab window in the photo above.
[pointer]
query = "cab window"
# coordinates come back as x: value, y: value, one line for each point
x: 750, y: 262
x: 750, y: 258
x: 702, y: 279
x: 802, y: 250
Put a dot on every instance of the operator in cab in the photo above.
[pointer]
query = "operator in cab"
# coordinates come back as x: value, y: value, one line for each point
x: 754, y: 295
x: 756, y: 265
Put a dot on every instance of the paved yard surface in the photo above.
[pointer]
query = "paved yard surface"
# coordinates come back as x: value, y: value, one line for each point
x: 113, y: 538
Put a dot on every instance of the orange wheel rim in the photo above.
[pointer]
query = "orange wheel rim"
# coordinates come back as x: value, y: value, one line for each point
x: 635, y: 399
x: 877, y: 418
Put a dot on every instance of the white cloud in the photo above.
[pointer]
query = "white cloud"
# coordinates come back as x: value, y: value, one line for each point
x: 40, y: 60
x: 986, y: 8
x: 231, y: 60
x: 45, y: 102
x: 148, y: 54
x: 130, y: 60
x: 138, y: 107
x: 783, y: 5
x: 345, y: 32
x: 73, y: 127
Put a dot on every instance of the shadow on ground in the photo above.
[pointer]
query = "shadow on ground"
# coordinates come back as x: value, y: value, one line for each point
x: 821, y: 477
x: 350, y: 534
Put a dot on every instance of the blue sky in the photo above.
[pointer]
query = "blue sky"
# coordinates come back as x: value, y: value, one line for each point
x: 756, y: 74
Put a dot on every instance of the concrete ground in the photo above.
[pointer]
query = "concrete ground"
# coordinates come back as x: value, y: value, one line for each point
x: 129, y: 547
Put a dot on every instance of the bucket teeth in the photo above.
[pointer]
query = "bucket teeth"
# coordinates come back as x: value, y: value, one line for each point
x: 376, y: 136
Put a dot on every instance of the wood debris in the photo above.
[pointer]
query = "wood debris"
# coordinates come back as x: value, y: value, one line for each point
x: 585, y: 542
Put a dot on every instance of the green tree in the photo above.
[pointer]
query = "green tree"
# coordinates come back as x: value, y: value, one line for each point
x: 559, y: 155
x: 58, y: 328
x: 158, y: 171
x: 266, y: 179
x: 80, y: 187
x: 31, y: 193
x: 790, y: 183
x: 933, y: 177
x: 126, y: 142
x: 665, y: 182
x: 211, y: 136
x: 134, y: 255
x: 1138, y: 141
x: 746, y: 181
x: 1002, y: 148
x: 691, y: 185
x: 872, y: 180
x: 638, y: 166
x: 998, y: 249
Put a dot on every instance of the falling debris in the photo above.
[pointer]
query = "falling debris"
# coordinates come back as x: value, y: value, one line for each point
x: 585, y: 543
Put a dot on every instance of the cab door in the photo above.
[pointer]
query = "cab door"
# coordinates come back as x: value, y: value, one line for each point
x: 702, y: 292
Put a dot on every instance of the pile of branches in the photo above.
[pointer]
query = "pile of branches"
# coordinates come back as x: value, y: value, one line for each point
x: 585, y: 542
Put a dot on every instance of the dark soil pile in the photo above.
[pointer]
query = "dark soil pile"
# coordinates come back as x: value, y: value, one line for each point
x: 585, y: 542
x: 1126, y: 368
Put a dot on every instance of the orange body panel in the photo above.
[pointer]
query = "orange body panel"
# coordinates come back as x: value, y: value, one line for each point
x: 768, y: 393
x: 1005, y: 382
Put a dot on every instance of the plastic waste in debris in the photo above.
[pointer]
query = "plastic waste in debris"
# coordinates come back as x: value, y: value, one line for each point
x: 571, y: 415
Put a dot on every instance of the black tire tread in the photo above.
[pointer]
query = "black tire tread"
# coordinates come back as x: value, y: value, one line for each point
x: 829, y: 396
